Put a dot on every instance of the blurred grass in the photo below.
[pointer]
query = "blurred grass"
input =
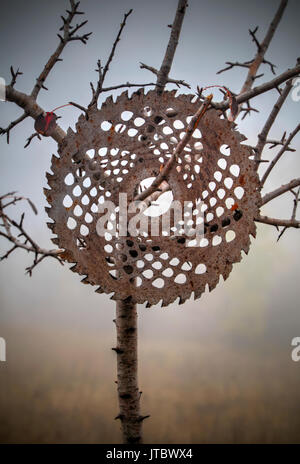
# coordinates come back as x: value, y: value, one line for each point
x: 59, y: 388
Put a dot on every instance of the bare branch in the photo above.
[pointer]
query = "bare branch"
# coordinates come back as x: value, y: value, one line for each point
x: 163, y: 74
x: 11, y: 125
x: 262, y: 137
x: 273, y: 84
x: 247, y: 110
x: 281, y: 142
x: 102, y: 72
x: 82, y: 108
x: 262, y: 47
x: 279, y: 154
x: 278, y: 222
x: 14, y: 75
x: 294, y: 211
x: 231, y: 65
x: 163, y: 175
x: 22, y: 239
x: 28, y: 141
x: 68, y: 36
x: 128, y: 84
x: 31, y: 108
x: 177, y: 82
x: 280, y: 191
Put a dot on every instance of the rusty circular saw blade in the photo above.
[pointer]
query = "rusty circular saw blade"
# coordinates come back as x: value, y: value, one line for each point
x: 117, y: 148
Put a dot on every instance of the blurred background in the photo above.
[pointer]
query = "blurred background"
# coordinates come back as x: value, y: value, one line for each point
x: 215, y: 370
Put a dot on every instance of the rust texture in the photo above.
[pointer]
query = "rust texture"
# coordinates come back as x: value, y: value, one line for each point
x: 120, y: 145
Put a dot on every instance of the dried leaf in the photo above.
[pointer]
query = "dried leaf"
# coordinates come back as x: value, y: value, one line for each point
x: 45, y: 124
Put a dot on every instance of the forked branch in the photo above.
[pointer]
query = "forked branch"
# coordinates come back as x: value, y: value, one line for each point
x: 14, y: 232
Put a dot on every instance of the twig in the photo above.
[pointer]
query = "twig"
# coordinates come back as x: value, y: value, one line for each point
x: 163, y: 73
x: 248, y: 110
x: 82, y: 108
x: 262, y: 47
x: 272, y: 84
x: 103, y: 71
x: 68, y: 36
x: 262, y: 137
x: 14, y: 75
x: 231, y: 65
x: 36, y: 134
x: 177, y: 82
x: 279, y: 154
x: 275, y: 143
x: 163, y: 175
x: 278, y: 222
x: 294, y: 211
x: 128, y: 84
x: 11, y: 125
x: 281, y: 190
x: 22, y: 239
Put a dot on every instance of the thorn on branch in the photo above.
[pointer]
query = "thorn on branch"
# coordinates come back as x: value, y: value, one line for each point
x: 254, y: 39
x: 272, y: 66
x: 36, y: 134
x: 118, y: 350
x: 14, y: 75
x: 142, y: 418
x: 82, y: 108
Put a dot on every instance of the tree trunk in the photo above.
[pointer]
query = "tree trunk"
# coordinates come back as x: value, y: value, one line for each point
x: 127, y: 369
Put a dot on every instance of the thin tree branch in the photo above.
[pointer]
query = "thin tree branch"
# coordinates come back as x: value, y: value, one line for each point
x: 31, y: 108
x: 29, y: 140
x: 280, y: 191
x: 163, y: 74
x: 279, y: 154
x: 278, y: 222
x: 22, y: 240
x: 68, y: 36
x: 262, y: 137
x: 294, y: 211
x: 262, y: 47
x: 128, y: 84
x: 163, y: 175
x: 231, y: 65
x: 177, y: 82
x: 12, y: 125
x: 272, y: 84
x: 103, y: 71
x: 14, y: 76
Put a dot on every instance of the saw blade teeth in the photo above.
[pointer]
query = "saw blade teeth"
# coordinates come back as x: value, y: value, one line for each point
x: 48, y: 209
x: 55, y: 241
x: 139, y: 93
x: 49, y: 176
x: 51, y: 225
x: 70, y: 131
x: 109, y: 100
x: 148, y: 305
x: 99, y: 290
